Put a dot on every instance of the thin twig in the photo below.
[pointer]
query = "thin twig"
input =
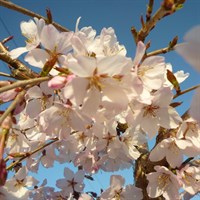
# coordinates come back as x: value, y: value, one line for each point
x: 6, y: 75
x: 31, y: 153
x: 16, y: 64
x: 185, y: 91
x: 23, y: 83
x: 25, y: 11
x: 163, y: 11
x: 12, y: 106
x: 149, y: 10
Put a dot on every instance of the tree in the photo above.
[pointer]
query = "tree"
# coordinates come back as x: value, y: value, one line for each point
x: 88, y: 104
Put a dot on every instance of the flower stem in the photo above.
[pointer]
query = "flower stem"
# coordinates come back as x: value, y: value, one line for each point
x: 31, y: 153
x: 23, y: 83
x: 185, y: 91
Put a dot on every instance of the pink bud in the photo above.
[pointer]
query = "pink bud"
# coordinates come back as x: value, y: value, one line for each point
x: 57, y: 82
x: 8, y: 95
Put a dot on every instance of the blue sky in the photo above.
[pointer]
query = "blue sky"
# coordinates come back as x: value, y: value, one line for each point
x: 121, y: 15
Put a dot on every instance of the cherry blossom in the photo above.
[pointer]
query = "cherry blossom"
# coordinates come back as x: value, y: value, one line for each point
x: 32, y: 31
x: 96, y: 112
x: 157, y: 113
x: 56, y: 45
x: 72, y: 182
x: 117, y: 191
x: 17, y: 186
x: 168, y: 149
x: 189, y: 177
x: 163, y: 182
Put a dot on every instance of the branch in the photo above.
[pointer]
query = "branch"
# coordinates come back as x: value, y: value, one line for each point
x: 12, y: 106
x: 6, y: 75
x: 185, y: 91
x: 23, y: 83
x: 20, y: 70
x: 31, y: 153
x: 164, y: 10
x: 25, y: 11
x: 164, y: 50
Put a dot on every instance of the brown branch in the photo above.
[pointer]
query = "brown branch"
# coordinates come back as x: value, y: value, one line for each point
x: 31, y: 153
x: 164, y: 10
x: 23, y: 83
x: 149, y: 10
x: 25, y: 11
x: 19, y: 70
x: 185, y: 91
x: 12, y: 106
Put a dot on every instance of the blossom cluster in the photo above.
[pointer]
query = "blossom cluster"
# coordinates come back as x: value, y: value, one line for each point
x: 99, y: 108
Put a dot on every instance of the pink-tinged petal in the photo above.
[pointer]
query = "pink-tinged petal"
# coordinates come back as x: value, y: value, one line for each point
x: 117, y: 181
x: 33, y: 108
x: 49, y: 37
x: 169, y: 118
x: 174, y: 157
x: 132, y: 192
x: 195, y: 106
x: 193, y: 35
x: 114, y: 98
x: 79, y: 176
x: 34, y: 93
x: 57, y: 82
x: 190, y: 52
x: 61, y: 183
x: 92, y: 102
x: 37, y: 57
x: 78, y: 46
x: 150, y: 126
x: 183, y: 144
x: 141, y: 48
x: 64, y: 42
x: 155, y: 64
x: 152, y: 189
x: 21, y: 174
x: 152, y: 83
x: 114, y: 65
x: 68, y: 173
x: 76, y: 90
x: 15, y: 53
x: 158, y: 153
x: 30, y: 181
x: 8, y: 95
x: 84, y: 66
x: 163, y: 97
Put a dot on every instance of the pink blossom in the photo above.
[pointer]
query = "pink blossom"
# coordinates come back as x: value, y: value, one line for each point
x: 168, y: 149
x: 31, y: 30
x: 57, y: 82
x: 163, y: 182
x: 117, y: 190
x: 189, y: 177
x: 72, y: 182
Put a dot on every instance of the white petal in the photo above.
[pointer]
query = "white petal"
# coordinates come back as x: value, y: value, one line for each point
x: 139, y: 53
x: 68, y: 173
x: 49, y: 36
x: 15, y: 53
x: 195, y: 106
x: 37, y: 57
x: 83, y: 67
x: 190, y: 52
x: 114, y: 65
